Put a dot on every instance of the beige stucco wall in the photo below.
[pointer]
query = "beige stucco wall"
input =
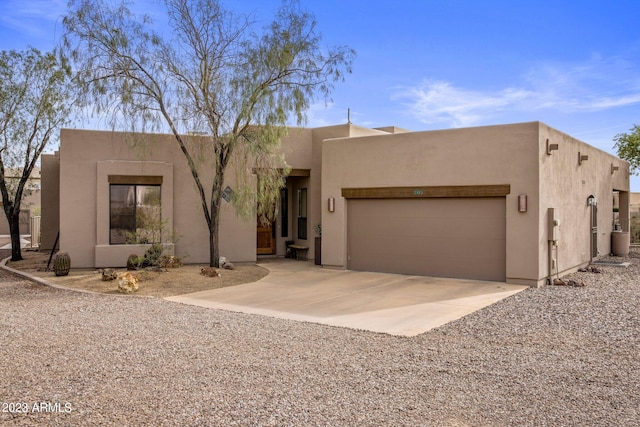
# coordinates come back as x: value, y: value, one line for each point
x: 474, y: 156
x: 107, y: 255
x: 87, y: 157
x: 492, y: 155
x: 347, y: 156
x: 50, y: 222
x: 566, y: 185
x: 303, y: 150
x: 297, y: 149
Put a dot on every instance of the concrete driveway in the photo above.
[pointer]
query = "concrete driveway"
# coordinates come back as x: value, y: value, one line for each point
x: 389, y: 303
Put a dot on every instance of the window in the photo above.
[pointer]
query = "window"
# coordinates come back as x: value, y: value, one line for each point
x: 302, y: 213
x: 134, y: 214
x: 284, y: 212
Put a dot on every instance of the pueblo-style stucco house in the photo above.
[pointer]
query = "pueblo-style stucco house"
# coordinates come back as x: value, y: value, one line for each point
x: 515, y: 203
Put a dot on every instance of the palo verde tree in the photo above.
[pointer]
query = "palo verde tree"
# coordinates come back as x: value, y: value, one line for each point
x: 628, y: 146
x: 35, y: 101
x: 211, y: 73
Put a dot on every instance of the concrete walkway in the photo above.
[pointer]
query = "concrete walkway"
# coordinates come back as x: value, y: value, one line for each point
x: 5, y: 241
x: 388, y: 303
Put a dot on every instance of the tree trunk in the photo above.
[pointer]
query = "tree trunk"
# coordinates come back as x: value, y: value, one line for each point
x: 216, y: 200
x: 14, y: 231
x: 214, y: 238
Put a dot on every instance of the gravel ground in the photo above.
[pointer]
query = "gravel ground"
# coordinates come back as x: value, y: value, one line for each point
x: 552, y: 356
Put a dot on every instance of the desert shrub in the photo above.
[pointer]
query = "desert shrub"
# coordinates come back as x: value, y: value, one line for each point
x: 169, y: 261
x: 133, y: 262
x: 153, y: 257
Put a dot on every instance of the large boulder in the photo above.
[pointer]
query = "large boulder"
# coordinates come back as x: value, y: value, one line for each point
x: 127, y: 283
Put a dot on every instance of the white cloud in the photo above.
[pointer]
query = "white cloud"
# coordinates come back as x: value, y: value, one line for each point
x: 595, y: 85
x: 438, y: 102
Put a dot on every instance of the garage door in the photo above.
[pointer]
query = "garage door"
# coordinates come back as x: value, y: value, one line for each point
x: 440, y: 237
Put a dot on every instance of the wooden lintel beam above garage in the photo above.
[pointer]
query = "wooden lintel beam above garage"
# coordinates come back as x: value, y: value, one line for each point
x: 292, y: 172
x: 445, y: 191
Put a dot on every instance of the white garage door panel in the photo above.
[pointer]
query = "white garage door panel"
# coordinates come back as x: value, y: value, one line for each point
x: 463, y: 238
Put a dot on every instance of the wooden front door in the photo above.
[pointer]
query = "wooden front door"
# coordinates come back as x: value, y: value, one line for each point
x: 266, y: 241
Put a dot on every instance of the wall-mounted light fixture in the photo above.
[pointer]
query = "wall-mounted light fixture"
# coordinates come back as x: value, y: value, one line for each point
x: 332, y: 204
x: 614, y: 168
x: 582, y: 158
x: 522, y: 203
x: 551, y: 147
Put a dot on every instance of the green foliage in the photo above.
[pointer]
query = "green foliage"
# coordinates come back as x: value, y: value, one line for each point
x: 150, y: 228
x: 153, y: 257
x: 150, y: 231
x: 628, y: 146
x: 36, y: 99
x: 133, y: 262
x: 225, y: 89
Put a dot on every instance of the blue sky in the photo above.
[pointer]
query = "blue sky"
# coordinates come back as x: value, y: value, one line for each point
x: 436, y: 64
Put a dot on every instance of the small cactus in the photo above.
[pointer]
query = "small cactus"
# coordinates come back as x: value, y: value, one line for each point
x: 62, y: 264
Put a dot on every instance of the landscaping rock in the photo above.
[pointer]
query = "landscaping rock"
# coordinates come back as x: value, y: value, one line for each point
x: 169, y: 261
x: 209, y: 272
x: 127, y: 283
x: 109, y: 274
x: 561, y: 282
x: 590, y: 269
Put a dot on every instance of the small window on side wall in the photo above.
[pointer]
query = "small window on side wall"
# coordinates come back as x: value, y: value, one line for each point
x: 302, y: 213
x: 284, y: 212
